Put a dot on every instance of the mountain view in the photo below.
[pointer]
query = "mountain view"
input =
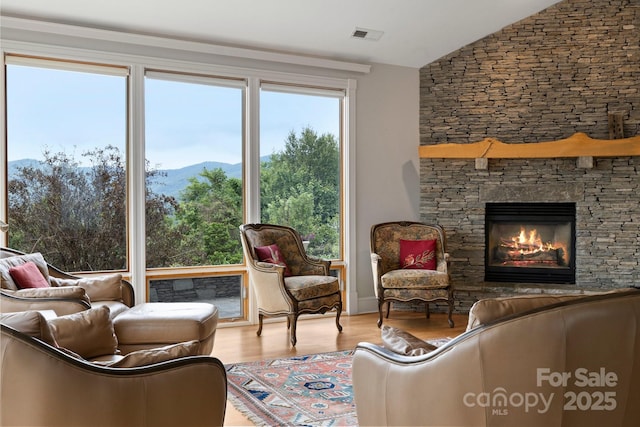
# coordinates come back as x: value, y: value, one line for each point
x: 60, y: 203
x: 171, y: 182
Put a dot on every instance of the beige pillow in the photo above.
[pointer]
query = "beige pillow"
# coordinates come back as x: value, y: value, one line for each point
x: 157, y: 355
x: 30, y: 323
x: 7, y: 282
x: 100, y: 288
x: 88, y: 333
x: 74, y: 292
x: 402, y: 342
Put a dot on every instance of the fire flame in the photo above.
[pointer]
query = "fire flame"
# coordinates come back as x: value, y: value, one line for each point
x: 530, y: 242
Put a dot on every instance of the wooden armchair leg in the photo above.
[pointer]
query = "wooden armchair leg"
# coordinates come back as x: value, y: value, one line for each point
x: 380, y: 304
x: 260, y: 316
x: 339, y: 311
x: 450, y: 313
x: 427, y: 310
x: 293, y: 320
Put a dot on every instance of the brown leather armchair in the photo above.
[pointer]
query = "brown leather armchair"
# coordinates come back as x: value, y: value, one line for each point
x: 395, y: 282
x: 303, y: 286
x: 41, y: 385
x: 570, y: 363
x: 65, y: 296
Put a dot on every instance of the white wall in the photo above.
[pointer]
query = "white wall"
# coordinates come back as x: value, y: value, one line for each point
x: 387, y: 163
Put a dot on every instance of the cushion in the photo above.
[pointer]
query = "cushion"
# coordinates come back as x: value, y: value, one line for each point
x: 6, y: 281
x: 30, y: 323
x: 272, y: 255
x: 27, y: 275
x: 116, y: 308
x: 99, y: 288
x: 312, y: 286
x: 157, y: 355
x: 404, y: 343
x: 88, y: 333
x: 418, y: 254
x: 73, y: 292
x: 415, y: 279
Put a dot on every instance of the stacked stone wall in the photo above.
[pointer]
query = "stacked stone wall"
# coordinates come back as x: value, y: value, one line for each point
x: 561, y: 71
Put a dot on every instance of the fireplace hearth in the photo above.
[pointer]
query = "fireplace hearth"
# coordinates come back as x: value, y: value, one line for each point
x: 530, y: 242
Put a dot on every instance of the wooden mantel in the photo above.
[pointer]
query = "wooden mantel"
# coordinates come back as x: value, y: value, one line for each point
x: 579, y: 146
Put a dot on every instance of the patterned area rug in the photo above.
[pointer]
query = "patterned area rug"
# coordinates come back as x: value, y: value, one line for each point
x: 313, y: 390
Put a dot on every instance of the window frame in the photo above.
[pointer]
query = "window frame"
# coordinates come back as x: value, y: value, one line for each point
x: 338, y: 264
x: 138, y: 65
x: 71, y: 65
x: 338, y: 94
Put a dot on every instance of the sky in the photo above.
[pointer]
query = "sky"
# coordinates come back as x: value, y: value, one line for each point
x: 185, y: 123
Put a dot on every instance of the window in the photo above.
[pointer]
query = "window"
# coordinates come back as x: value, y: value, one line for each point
x: 200, y: 148
x: 300, y: 152
x: 194, y: 141
x: 194, y: 197
x: 66, y: 145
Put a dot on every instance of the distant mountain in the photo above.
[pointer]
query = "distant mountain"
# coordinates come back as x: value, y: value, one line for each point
x: 171, y: 182
x: 24, y: 163
x: 174, y: 181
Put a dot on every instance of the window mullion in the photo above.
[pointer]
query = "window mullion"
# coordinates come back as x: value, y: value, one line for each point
x: 349, y: 196
x: 136, y: 184
x: 252, y: 152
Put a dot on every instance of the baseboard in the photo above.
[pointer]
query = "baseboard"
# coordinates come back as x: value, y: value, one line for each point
x: 367, y: 305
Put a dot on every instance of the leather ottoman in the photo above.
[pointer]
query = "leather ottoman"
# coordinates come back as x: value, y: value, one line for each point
x: 156, y: 324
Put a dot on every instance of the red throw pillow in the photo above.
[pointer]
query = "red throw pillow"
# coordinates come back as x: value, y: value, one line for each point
x: 272, y: 254
x: 418, y: 254
x: 28, y: 275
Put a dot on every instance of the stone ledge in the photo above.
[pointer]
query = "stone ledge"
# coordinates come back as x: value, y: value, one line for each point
x: 466, y: 295
x: 512, y: 289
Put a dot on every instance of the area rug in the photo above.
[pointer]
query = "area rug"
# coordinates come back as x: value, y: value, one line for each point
x: 313, y: 390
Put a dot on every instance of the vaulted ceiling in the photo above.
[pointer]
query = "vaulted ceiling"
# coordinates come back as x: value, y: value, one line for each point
x: 413, y: 32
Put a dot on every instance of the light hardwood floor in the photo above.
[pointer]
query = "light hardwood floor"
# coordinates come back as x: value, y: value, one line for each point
x: 319, y: 335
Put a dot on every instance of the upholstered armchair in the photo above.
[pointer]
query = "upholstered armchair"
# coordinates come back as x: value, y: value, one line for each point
x: 285, y: 280
x: 64, y: 293
x: 44, y: 384
x: 410, y: 263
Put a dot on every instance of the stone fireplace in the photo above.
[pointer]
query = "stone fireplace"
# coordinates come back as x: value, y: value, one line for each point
x: 539, y: 79
x: 530, y: 242
x: 606, y: 197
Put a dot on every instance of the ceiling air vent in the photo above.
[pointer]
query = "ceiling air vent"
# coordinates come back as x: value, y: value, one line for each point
x: 366, y: 34
x: 359, y: 34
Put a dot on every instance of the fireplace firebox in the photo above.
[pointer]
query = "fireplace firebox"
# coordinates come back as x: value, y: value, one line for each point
x: 530, y: 242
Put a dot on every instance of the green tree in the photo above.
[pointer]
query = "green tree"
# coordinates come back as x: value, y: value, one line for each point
x: 76, y: 216
x: 300, y: 187
x: 208, y: 216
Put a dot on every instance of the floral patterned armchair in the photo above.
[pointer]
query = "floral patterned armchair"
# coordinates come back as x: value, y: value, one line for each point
x: 285, y: 280
x: 410, y: 263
